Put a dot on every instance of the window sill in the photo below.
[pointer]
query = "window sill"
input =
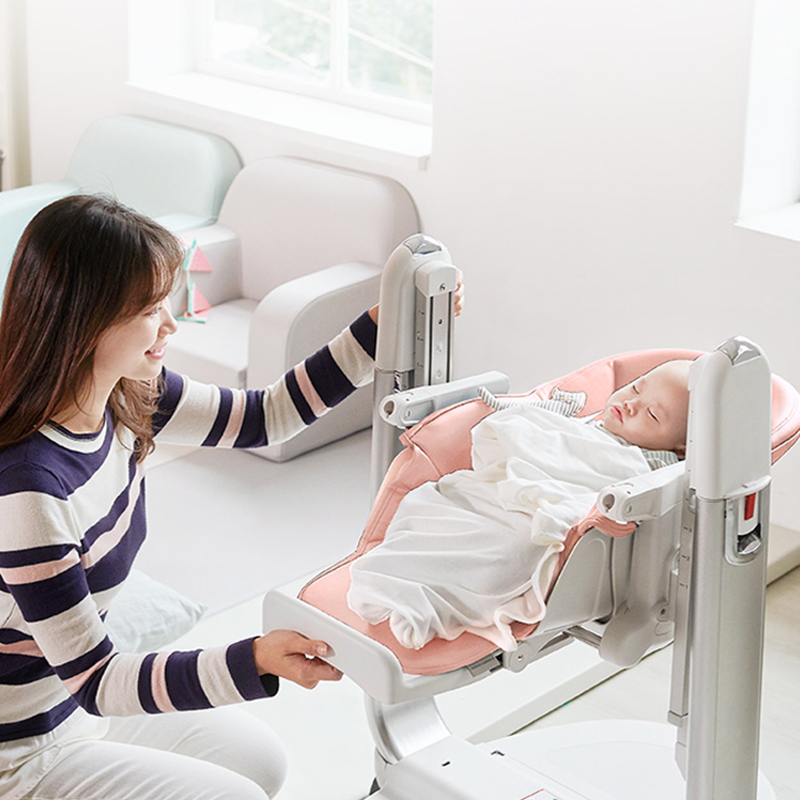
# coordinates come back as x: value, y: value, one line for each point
x: 318, y: 123
x: 784, y: 223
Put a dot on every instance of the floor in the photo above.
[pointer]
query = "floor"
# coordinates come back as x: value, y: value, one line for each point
x: 239, y: 524
x: 219, y: 515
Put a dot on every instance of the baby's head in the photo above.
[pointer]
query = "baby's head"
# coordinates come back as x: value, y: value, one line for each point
x: 652, y: 412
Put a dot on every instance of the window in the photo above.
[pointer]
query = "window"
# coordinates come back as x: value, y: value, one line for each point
x: 770, y: 194
x: 374, y: 54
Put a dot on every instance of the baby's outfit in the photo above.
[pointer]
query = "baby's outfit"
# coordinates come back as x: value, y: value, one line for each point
x: 478, y: 549
x: 570, y: 404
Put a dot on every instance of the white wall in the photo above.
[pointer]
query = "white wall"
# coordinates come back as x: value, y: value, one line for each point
x: 586, y: 174
x: 14, y: 139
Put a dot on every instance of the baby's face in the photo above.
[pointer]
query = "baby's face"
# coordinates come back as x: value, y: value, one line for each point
x: 652, y: 412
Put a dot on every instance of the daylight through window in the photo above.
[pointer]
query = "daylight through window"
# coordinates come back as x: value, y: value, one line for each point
x: 377, y: 54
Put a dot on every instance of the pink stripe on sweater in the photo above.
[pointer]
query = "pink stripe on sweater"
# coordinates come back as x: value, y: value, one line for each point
x: 32, y: 573
x: 235, y: 419
x: 104, y: 544
x: 75, y: 683
x: 314, y: 401
x: 27, y: 647
x: 158, y: 683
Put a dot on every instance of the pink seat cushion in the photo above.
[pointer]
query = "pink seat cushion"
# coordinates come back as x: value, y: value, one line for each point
x: 441, y: 444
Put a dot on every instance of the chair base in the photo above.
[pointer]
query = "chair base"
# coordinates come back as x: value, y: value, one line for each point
x: 608, y: 760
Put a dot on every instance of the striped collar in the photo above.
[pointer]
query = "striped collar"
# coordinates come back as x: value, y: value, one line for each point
x: 78, y: 442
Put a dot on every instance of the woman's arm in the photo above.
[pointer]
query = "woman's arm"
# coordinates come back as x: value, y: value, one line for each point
x: 200, y: 414
x: 56, y: 646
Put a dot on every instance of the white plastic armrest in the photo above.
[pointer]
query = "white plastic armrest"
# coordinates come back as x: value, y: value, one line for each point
x: 644, y: 621
x: 366, y: 662
x: 222, y: 248
x: 647, y: 496
x: 179, y: 222
x: 300, y: 316
x: 405, y: 409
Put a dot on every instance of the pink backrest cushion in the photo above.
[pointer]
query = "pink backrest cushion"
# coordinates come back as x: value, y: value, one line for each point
x: 441, y: 444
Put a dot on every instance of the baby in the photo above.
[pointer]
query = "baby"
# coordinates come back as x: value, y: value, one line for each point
x: 477, y: 549
x: 652, y: 412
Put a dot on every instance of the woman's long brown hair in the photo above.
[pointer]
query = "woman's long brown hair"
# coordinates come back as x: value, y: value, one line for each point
x: 83, y: 264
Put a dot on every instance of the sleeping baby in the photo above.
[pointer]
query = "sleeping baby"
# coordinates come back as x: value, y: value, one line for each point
x: 477, y: 549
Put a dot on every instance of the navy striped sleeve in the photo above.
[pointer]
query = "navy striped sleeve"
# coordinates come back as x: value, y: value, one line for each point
x: 50, y: 596
x: 145, y: 685
x: 299, y: 401
x: 183, y: 682
x: 171, y: 387
x: 221, y: 420
x: 326, y: 375
x: 193, y: 413
x: 365, y: 332
x: 253, y: 430
x: 242, y: 666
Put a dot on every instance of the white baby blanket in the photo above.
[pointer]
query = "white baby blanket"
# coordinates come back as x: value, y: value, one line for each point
x: 477, y: 549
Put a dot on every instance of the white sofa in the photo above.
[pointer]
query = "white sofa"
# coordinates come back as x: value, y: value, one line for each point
x: 297, y: 254
x: 177, y: 175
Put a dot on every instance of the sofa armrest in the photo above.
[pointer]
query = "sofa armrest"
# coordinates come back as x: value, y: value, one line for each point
x: 300, y: 316
x: 33, y: 197
x: 180, y: 223
x: 222, y: 248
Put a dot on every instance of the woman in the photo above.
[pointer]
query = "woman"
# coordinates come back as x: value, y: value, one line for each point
x: 83, y: 398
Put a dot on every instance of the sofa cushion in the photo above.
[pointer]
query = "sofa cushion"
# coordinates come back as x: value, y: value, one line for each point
x: 215, y: 351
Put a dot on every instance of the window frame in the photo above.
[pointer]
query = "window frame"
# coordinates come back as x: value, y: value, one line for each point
x: 336, y: 92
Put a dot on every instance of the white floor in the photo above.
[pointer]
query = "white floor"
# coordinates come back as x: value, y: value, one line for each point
x: 225, y: 527
x: 237, y: 524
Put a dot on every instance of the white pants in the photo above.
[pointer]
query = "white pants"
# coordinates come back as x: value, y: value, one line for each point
x: 218, y: 754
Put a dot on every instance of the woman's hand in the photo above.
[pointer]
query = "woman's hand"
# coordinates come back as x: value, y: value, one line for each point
x: 458, y: 299
x: 292, y: 656
x: 458, y: 296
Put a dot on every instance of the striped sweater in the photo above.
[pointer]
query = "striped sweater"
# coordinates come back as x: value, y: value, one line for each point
x: 72, y: 518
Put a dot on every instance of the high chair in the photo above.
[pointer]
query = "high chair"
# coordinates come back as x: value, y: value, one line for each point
x: 679, y: 554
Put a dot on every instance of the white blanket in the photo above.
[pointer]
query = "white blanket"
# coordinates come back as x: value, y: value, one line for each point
x: 477, y: 550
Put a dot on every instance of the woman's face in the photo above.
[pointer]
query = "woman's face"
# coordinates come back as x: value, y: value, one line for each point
x: 135, y: 347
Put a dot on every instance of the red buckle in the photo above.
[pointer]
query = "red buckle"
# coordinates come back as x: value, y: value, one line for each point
x: 749, y: 506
